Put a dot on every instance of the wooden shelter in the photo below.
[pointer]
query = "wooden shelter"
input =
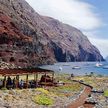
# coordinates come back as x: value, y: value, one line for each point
x: 25, y: 71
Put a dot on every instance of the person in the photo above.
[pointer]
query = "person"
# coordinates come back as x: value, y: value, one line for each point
x: 9, y: 82
x: 72, y: 75
x: 13, y: 82
x: 21, y: 83
x: 1, y: 83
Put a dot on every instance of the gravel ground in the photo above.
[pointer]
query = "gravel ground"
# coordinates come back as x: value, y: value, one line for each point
x: 24, y: 99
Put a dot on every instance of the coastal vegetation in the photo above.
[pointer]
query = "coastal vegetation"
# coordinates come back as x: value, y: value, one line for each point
x: 59, y: 95
x: 98, y: 82
x: 106, y: 93
x: 44, y: 96
x: 43, y: 99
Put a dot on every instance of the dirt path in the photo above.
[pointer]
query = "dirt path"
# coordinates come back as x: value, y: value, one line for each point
x: 81, y: 99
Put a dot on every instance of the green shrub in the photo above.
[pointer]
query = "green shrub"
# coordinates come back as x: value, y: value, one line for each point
x: 106, y: 93
x: 43, y: 100
x: 3, y: 88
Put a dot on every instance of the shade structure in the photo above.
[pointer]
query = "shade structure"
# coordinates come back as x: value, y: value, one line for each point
x: 23, y: 71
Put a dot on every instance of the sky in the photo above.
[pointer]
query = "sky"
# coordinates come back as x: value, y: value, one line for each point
x: 90, y: 16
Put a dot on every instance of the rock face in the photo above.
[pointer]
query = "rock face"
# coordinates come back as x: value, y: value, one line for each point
x: 106, y: 58
x: 4, y: 65
x: 29, y: 39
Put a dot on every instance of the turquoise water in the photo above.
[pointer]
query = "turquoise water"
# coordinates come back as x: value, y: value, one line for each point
x: 85, y: 68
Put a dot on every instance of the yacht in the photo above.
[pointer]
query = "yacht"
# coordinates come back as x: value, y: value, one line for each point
x: 76, y: 67
x: 66, y: 64
x: 60, y: 68
x: 98, y: 64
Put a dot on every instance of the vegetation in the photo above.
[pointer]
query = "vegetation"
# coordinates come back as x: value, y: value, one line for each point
x: 70, y: 87
x: 95, y: 81
x: 43, y: 99
x: 106, y: 93
x: 63, y: 77
x: 3, y: 88
x: 66, y: 90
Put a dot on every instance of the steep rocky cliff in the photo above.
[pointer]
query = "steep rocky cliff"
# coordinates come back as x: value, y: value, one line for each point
x: 29, y: 39
x: 106, y: 58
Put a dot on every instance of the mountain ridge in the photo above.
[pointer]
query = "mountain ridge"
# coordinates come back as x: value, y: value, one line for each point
x: 38, y: 39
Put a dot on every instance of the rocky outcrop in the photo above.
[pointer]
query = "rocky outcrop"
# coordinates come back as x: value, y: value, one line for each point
x: 29, y: 39
x: 106, y: 58
x: 4, y: 65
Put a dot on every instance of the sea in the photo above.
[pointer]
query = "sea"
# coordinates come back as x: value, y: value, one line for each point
x: 79, y: 68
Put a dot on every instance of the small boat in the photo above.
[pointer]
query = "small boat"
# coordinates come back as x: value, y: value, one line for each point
x: 76, y: 67
x: 99, y: 64
x: 60, y: 68
x: 66, y: 65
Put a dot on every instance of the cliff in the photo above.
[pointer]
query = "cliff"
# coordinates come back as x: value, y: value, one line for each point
x: 29, y: 39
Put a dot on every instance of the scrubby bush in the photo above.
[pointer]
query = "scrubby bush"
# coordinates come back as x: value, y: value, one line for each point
x: 106, y: 93
x: 3, y: 88
x: 42, y: 99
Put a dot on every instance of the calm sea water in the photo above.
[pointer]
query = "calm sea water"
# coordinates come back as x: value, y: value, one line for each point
x: 85, y: 68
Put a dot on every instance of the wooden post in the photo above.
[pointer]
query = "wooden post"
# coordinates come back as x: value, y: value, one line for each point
x: 17, y: 81
x: 45, y: 79
x: 35, y: 75
x: 53, y: 77
x: 27, y: 81
x: 5, y: 81
x: 36, y: 79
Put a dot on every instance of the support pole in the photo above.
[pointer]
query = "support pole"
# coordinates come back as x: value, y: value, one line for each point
x: 45, y: 79
x: 36, y: 79
x: 4, y: 81
x: 17, y: 81
x: 53, y: 77
x: 27, y: 81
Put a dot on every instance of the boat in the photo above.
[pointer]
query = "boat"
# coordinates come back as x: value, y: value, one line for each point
x: 76, y: 67
x: 60, y: 68
x: 98, y: 64
x: 66, y: 65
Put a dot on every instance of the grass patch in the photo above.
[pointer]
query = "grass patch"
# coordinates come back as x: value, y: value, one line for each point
x: 106, y: 93
x: 43, y: 99
x: 74, y: 87
x: 4, y: 88
x: 66, y: 90
x: 63, y: 77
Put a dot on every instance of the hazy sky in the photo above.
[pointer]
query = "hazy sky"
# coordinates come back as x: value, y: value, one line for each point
x: 90, y: 16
